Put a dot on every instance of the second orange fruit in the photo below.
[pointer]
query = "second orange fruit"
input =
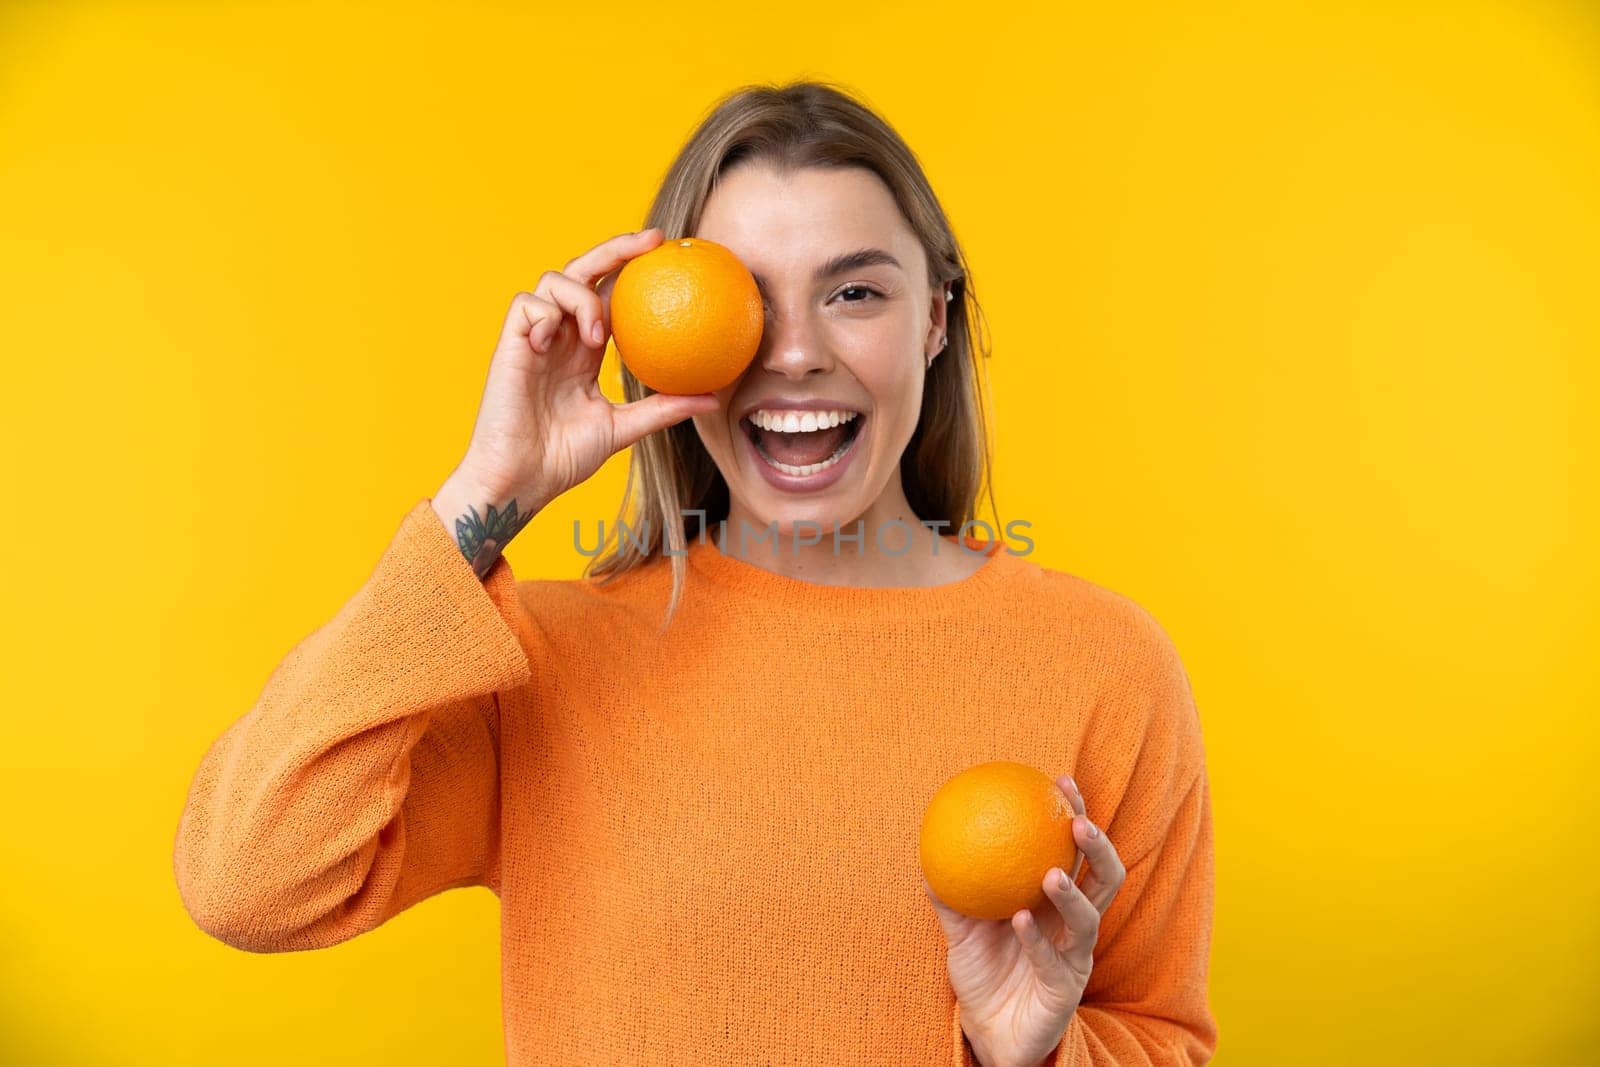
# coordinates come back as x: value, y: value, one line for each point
x: 991, y: 833
x: 687, y: 316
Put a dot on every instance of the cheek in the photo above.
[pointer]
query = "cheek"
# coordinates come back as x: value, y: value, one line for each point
x: 890, y: 375
x: 713, y: 432
x: 713, y: 426
x: 884, y: 356
x: 904, y: 415
x: 888, y: 331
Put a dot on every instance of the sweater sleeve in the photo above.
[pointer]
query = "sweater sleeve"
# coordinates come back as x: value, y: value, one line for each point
x: 1146, y: 1001
x: 365, y: 778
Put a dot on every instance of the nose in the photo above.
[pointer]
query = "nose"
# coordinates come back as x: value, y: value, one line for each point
x: 791, y: 346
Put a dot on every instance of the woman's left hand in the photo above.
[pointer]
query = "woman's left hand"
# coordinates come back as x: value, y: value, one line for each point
x: 1019, y: 980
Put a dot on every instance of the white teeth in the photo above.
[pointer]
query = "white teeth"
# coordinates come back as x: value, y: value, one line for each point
x: 801, y: 422
x: 809, y: 468
x: 791, y: 423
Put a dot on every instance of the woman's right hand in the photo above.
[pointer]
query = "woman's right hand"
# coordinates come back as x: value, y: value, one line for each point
x: 543, y: 425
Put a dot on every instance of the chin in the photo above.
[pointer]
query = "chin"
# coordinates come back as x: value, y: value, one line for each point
x: 823, y: 514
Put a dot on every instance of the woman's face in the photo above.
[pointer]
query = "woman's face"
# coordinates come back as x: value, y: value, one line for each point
x: 840, y: 336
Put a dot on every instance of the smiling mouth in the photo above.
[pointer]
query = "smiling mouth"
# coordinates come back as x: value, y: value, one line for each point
x: 803, y: 452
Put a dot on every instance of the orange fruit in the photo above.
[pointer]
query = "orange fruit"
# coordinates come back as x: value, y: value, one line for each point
x: 687, y: 316
x: 989, y: 835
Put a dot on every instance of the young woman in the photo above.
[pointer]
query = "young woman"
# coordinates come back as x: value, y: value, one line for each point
x: 695, y: 776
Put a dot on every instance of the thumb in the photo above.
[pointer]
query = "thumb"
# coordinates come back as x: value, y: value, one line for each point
x: 656, y: 412
x: 949, y: 918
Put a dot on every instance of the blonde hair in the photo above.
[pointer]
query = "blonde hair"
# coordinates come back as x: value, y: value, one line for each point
x: 807, y: 124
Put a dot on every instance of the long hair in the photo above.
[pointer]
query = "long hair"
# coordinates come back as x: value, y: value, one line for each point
x: 946, y: 462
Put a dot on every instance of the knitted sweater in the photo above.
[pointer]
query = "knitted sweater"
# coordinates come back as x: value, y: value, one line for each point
x: 704, y: 842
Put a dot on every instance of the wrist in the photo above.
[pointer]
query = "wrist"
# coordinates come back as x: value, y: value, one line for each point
x: 481, y: 516
x: 983, y: 1054
x: 484, y: 485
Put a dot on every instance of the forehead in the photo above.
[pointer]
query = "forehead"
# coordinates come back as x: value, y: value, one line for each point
x: 791, y: 223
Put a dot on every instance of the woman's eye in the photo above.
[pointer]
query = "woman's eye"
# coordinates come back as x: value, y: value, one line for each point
x: 856, y: 289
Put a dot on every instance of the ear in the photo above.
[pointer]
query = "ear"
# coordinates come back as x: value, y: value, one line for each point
x: 939, y: 315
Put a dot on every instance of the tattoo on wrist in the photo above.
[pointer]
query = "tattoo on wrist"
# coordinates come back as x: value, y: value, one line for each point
x: 482, y: 540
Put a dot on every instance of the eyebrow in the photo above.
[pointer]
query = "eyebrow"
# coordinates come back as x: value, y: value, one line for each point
x: 846, y: 261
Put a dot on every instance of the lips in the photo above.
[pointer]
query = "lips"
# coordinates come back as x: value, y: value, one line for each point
x: 842, y: 442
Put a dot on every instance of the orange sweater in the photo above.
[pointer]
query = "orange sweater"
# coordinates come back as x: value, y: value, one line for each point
x: 705, y: 843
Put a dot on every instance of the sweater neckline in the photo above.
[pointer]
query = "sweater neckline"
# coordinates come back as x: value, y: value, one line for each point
x: 771, y: 587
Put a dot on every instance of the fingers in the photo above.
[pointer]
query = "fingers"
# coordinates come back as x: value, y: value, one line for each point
x: 655, y: 412
x: 1063, y: 966
x: 534, y: 318
x: 1081, y: 921
x: 579, y: 301
x: 938, y: 905
x: 647, y: 239
x: 572, y: 288
x: 1069, y: 786
x: 951, y: 921
x: 1045, y: 957
x: 1106, y: 871
x: 609, y: 255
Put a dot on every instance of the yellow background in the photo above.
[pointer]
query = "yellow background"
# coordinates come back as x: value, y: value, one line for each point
x: 1295, y: 312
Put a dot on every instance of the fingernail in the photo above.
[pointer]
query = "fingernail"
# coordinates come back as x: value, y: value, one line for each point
x: 1073, y: 782
x: 1060, y: 877
x: 1088, y: 828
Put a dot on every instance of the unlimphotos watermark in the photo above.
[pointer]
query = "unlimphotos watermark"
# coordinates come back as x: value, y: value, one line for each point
x: 768, y: 534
